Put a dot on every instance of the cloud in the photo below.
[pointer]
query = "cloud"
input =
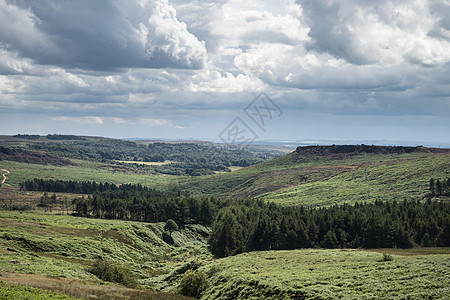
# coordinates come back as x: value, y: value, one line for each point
x: 155, y: 122
x: 383, y: 32
x: 146, y: 63
x: 81, y: 120
x: 99, y: 35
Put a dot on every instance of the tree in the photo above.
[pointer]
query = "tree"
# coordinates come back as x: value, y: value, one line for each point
x: 171, y: 226
x: 432, y: 187
x: 438, y: 188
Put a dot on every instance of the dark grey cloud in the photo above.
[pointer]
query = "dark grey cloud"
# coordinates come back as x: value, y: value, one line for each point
x: 135, y: 65
x: 330, y: 31
x: 99, y: 35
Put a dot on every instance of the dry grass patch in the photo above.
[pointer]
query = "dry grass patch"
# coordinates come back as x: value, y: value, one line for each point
x: 84, y: 289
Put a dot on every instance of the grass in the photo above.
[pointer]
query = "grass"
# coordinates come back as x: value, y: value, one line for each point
x: 32, y: 286
x: 83, y: 171
x: 13, y: 291
x: 314, y: 182
x: 395, y: 180
x: 54, y: 252
x: 328, y: 274
x: 322, y: 181
x: 66, y: 247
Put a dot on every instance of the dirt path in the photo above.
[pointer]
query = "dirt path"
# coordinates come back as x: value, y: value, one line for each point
x: 4, y: 175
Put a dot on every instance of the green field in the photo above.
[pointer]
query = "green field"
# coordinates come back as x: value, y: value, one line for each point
x: 328, y: 274
x: 83, y: 171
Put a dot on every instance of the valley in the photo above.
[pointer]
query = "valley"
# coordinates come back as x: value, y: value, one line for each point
x: 51, y: 244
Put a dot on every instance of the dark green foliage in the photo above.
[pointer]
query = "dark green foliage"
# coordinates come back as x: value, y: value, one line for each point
x: 63, y: 137
x: 192, y: 159
x: 208, y: 155
x: 171, y: 226
x: 47, y: 201
x: 112, y: 272
x: 98, y: 149
x: 439, y: 188
x: 387, y: 257
x: 27, y: 136
x: 349, y: 150
x: 254, y: 225
x: 78, y: 187
x: 193, y: 283
x: 144, y: 206
x: 226, y: 235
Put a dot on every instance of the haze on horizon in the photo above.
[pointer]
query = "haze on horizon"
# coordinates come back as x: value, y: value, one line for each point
x: 338, y: 70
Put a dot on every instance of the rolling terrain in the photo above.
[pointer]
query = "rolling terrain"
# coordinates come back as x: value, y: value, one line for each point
x: 321, y: 178
x: 54, y: 252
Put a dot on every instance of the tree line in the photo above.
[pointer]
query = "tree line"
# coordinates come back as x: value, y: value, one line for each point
x: 147, y: 207
x: 129, y: 201
x: 439, y: 187
x: 254, y: 225
x: 78, y: 187
x: 248, y: 224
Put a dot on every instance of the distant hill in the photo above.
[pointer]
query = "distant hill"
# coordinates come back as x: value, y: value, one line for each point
x: 193, y: 158
x: 355, y: 150
x: 324, y: 175
x: 25, y: 156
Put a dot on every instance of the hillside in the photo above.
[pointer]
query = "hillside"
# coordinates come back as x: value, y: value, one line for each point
x: 25, y: 156
x: 323, y: 175
x: 312, y: 175
x: 65, y: 247
x: 55, y: 252
x: 193, y: 159
x: 43, y: 247
x: 329, y: 274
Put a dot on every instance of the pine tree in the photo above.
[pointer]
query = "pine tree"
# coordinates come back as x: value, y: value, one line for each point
x: 432, y: 187
x: 438, y: 188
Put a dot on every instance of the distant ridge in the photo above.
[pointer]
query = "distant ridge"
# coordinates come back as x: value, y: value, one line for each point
x: 356, y: 149
x: 343, y: 151
x: 25, y: 156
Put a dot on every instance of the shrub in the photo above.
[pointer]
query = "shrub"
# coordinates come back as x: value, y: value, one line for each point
x: 112, y: 272
x: 387, y: 257
x: 193, y: 284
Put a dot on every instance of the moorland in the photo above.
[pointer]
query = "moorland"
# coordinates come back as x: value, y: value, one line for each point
x: 97, y: 218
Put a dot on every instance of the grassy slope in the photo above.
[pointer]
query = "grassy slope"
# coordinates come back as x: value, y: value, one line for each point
x: 329, y: 274
x: 53, y: 252
x: 83, y: 171
x: 395, y: 180
x: 64, y: 246
x: 317, y: 181
x: 323, y: 182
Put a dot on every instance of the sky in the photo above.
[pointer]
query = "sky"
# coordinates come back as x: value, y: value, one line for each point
x: 227, y: 70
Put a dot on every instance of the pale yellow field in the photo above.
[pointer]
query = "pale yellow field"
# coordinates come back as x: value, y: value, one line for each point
x: 149, y: 163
